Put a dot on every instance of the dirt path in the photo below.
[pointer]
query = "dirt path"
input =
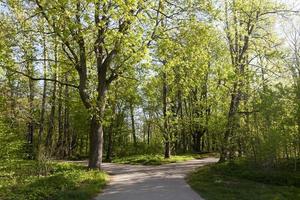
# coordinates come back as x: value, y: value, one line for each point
x: 137, y: 182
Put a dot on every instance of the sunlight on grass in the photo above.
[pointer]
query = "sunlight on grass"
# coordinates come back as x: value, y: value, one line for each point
x: 20, y: 180
x: 159, y: 159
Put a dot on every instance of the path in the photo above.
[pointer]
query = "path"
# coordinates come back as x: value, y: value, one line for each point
x: 138, y: 182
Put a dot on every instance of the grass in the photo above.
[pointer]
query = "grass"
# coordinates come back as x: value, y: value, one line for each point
x: 242, y: 181
x: 158, y: 159
x: 30, y: 180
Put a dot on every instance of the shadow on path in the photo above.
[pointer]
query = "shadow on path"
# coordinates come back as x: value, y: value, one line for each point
x: 138, y: 182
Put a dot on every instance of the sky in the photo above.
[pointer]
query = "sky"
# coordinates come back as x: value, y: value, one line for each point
x: 284, y: 24
x: 294, y: 3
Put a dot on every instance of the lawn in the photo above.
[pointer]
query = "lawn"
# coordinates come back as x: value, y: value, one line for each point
x: 159, y: 159
x: 31, y: 180
x: 241, y: 181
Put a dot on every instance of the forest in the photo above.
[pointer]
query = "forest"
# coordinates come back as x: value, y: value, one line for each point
x: 149, y: 82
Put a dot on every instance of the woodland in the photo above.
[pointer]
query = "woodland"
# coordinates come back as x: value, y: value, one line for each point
x: 147, y: 82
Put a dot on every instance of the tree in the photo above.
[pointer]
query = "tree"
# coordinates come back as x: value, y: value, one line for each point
x: 114, y: 46
x: 244, y: 26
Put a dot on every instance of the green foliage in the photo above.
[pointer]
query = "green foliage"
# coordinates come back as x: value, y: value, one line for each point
x: 274, y: 134
x: 20, y: 180
x: 11, y: 144
x: 151, y: 159
x: 130, y: 149
x: 158, y: 159
x: 241, y: 180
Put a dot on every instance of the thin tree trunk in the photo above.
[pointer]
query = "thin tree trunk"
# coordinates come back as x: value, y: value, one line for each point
x: 30, y: 124
x: 66, y: 140
x: 73, y: 143
x: 60, y: 147
x: 49, y: 137
x: 197, y: 141
x: 110, y: 132
x: 166, y: 131
x: 42, y: 117
x: 110, y: 143
x: 167, y: 149
x: 148, y: 133
x: 12, y: 96
x: 133, y: 125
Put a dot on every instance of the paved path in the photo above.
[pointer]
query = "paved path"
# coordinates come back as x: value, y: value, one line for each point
x: 164, y: 182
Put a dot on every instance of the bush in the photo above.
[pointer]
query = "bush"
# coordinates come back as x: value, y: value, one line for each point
x: 10, y: 143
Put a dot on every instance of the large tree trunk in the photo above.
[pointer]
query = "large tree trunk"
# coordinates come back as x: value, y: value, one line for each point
x: 231, y: 124
x: 96, y: 132
x: 96, y: 143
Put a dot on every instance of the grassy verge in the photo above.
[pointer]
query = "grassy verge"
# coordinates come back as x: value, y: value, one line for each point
x: 30, y: 180
x: 245, y: 182
x: 158, y: 159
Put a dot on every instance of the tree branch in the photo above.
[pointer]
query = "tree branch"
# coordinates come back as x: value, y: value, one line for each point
x: 40, y: 79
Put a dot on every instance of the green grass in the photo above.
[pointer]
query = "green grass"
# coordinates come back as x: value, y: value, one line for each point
x: 241, y: 181
x: 158, y: 159
x: 21, y: 179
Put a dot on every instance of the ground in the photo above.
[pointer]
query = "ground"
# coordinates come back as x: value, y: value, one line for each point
x: 138, y: 182
x: 239, y: 179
